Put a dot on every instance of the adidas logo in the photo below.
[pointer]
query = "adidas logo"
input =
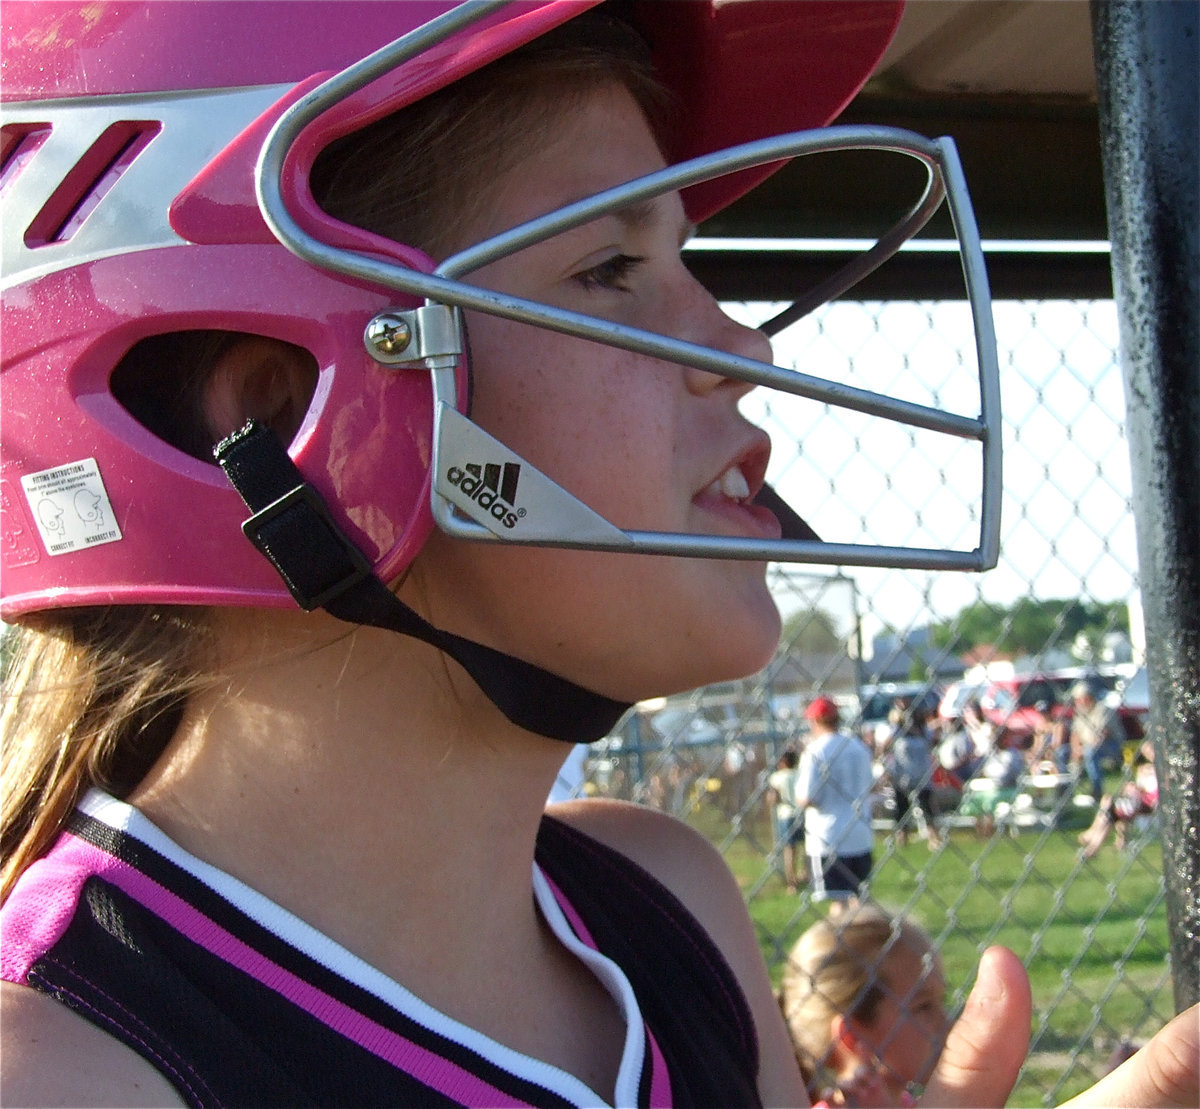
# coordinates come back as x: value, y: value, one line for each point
x: 492, y: 486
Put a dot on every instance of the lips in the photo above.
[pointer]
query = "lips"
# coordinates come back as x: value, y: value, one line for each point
x: 745, y: 472
x: 731, y: 493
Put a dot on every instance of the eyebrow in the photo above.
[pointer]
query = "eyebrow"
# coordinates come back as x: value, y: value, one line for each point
x: 642, y: 213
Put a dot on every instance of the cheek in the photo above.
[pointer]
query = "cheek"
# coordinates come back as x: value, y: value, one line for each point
x: 597, y: 421
x: 914, y: 1048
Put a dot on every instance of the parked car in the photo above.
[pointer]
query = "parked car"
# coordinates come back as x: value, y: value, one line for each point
x: 677, y: 726
x: 1009, y: 703
x: 1131, y: 696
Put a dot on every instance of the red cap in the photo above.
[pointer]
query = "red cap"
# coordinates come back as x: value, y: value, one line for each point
x: 822, y: 709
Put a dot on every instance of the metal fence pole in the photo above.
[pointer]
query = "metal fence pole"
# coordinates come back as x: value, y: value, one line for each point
x: 1146, y: 68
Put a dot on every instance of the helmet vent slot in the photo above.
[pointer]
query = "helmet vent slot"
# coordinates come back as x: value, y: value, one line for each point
x: 87, y: 182
x: 18, y: 144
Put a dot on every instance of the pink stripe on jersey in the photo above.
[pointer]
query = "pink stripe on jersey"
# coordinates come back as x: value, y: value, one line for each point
x: 660, y: 1078
x: 72, y: 853
x: 37, y: 913
x: 573, y: 918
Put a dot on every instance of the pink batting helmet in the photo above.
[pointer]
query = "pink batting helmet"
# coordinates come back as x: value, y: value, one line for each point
x: 131, y: 134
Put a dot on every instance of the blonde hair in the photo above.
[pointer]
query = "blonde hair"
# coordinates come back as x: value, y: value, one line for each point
x: 838, y: 968
x: 92, y: 696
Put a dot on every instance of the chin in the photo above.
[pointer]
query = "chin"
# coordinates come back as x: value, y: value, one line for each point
x: 741, y: 635
x: 749, y: 632
x: 742, y: 664
x: 725, y: 650
x: 660, y: 626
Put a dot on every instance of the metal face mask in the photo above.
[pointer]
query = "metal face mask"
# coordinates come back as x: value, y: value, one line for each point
x: 475, y: 493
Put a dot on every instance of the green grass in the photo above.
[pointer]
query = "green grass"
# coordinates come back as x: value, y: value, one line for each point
x: 1093, y: 935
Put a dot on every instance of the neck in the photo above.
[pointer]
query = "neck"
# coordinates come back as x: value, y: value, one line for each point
x: 360, y: 780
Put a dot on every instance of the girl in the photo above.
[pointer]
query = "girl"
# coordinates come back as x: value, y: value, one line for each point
x: 787, y: 824
x: 259, y: 848
x: 907, y: 752
x: 864, y: 999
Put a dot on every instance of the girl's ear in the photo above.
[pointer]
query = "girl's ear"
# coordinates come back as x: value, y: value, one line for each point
x: 852, y: 1038
x: 261, y: 379
x: 843, y: 1039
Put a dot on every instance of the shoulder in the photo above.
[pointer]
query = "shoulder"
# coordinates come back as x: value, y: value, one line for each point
x: 697, y: 874
x: 52, y: 1056
x: 679, y: 858
x: 673, y: 852
x: 816, y: 748
x: 848, y: 746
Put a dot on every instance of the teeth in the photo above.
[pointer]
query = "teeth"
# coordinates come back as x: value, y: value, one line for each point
x: 732, y: 484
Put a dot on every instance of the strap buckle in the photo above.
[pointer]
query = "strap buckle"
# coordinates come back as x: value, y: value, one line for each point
x: 300, y: 522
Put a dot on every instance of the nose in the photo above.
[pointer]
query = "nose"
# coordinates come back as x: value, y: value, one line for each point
x: 715, y: 328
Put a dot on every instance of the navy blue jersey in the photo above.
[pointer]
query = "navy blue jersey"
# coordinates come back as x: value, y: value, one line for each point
x: 239, y: 1003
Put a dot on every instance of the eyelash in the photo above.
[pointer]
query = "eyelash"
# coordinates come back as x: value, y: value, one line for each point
x: 610, y: 274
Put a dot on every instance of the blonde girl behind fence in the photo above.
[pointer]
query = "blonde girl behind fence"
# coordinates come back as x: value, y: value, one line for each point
x: 863, y: 998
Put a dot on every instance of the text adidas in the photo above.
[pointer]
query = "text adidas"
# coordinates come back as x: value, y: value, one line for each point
x: 483, y: 487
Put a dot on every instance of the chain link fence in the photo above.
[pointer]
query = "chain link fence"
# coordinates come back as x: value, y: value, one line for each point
x: 1063, y: 602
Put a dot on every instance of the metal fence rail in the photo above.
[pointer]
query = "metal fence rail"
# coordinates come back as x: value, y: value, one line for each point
x: 1092, y: 931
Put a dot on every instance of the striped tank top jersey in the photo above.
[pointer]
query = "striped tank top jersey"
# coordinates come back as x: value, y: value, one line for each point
x: 238, y: 1002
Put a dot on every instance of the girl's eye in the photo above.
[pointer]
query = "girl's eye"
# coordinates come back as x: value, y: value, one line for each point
x: 930, y: 1007
x: 612, y: 273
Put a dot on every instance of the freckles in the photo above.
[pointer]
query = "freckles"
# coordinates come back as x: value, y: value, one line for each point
x: 506, y: 398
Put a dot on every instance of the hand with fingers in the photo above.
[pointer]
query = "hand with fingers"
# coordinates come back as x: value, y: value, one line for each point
x: 988, y: 1043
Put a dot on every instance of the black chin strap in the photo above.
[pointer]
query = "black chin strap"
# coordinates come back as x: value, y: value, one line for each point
x: 292, y: 526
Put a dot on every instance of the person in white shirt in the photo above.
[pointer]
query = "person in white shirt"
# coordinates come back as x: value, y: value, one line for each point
x: 834, y: 791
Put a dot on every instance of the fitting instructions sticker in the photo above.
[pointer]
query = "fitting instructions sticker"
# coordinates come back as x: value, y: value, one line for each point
x: 71, y: 507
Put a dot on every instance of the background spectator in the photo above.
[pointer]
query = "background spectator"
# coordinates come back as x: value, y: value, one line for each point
x: 996, y: 783
x: 1050, y: 745
x: 1097, y: 734
x: 834, y: 790
x: 981, y: 730
x: 1138, y: 797
x: 787, y: 822
x: 908, y: 756
x: 956, y: 756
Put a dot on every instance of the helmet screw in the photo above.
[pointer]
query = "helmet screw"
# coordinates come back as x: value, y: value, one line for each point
x: 387, y: 336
